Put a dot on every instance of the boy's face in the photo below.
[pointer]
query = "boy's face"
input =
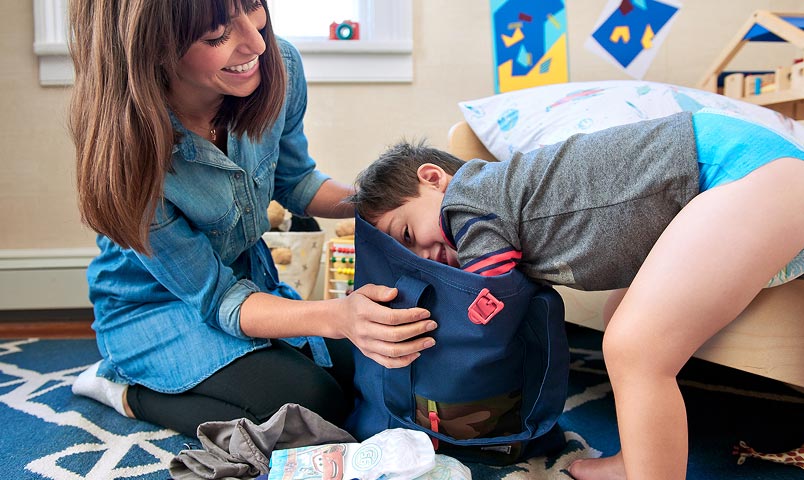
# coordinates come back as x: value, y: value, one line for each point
x: 415, y: 224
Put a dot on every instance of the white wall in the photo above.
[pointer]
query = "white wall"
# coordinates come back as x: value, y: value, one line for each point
x: 347, y: 124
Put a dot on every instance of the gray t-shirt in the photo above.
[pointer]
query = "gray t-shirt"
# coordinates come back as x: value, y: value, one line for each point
x: 582, y: 213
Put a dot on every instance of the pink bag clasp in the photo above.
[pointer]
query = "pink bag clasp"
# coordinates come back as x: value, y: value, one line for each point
x: 484, y: 308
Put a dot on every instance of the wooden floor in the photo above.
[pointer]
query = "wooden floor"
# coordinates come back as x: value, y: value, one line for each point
x: 46, y: 323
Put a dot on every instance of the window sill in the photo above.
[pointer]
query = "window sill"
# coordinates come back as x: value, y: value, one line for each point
x: 50, y: 42
x: 358, y: 61
x: 55, y: 69
x: 325, y: 61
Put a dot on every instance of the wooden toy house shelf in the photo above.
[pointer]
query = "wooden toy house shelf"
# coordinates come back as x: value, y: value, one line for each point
x: 782, y: 90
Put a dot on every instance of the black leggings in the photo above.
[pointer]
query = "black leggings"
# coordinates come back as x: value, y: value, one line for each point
x: 255, y: 386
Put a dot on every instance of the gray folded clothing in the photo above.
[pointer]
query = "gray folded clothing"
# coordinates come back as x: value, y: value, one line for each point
x: 240, y: 449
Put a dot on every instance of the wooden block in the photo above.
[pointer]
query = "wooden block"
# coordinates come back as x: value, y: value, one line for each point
x: 797, y: 76
x: 782, y: 78
x: 750, y: 83
x: 733, y: 85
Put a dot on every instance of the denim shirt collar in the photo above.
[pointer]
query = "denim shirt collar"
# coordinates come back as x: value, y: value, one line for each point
x: 190, y: 144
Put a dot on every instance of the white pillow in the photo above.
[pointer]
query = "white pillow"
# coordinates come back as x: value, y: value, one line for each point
x: 527, y: 119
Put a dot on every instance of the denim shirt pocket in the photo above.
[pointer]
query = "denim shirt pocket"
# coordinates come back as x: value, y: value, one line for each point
x: 223, y: 236
x: 205, y: 196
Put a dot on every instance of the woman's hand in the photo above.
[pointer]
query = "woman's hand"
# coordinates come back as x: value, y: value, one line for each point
x: 381, y: 332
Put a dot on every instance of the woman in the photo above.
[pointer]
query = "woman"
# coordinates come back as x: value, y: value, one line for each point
x: 187, y: 119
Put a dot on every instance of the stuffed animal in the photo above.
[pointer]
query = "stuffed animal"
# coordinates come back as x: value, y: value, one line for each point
x: 282, y: 255
x: 345, y: 228
x: 278, y: 217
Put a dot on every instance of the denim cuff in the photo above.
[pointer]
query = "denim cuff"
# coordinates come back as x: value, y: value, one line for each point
x: 229, y: 312
x: 303, y: 193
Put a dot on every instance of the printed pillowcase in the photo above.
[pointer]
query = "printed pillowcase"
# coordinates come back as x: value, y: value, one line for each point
x: 527, y: 119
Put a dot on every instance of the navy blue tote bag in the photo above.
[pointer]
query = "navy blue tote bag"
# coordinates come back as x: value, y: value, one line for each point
x: 493, y: 386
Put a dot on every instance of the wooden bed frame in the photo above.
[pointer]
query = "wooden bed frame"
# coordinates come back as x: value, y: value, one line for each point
x: 766, y: 339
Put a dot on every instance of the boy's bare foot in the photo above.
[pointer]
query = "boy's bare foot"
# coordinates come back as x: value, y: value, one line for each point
x: 607, y: 468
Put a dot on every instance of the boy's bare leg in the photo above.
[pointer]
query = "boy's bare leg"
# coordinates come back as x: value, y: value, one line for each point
x: 708, y: 265
x: 609, y: 468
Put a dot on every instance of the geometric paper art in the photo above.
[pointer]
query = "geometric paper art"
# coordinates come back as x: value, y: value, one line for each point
x: 530, y: 43
x: 630, y: 32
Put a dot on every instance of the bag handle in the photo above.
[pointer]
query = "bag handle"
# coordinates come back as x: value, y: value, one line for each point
x: 410, y: 292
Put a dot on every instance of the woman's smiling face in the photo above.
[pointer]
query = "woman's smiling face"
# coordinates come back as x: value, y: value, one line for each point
x: 224, y: 61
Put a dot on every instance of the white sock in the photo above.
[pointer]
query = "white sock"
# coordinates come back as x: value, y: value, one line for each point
x: 89, y: 384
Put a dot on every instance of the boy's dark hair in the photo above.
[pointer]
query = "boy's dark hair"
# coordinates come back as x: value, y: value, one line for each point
x: 391, y: 179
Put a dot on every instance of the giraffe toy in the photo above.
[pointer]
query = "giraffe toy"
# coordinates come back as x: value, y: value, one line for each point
x: 793, y: 457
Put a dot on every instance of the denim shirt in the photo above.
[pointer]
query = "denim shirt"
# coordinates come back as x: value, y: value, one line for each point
x: 169, y: 320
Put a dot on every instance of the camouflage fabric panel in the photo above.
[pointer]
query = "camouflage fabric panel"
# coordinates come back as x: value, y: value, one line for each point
x: 490, y: 417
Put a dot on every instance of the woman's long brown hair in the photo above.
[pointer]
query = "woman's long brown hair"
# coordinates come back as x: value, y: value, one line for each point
x: 123, y: 52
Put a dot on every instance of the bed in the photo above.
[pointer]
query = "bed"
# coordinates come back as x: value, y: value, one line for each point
x: 767, y: 339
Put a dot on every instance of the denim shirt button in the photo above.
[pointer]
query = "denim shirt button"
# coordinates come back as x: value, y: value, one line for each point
x: 247, y: 209
x: 238, y: 175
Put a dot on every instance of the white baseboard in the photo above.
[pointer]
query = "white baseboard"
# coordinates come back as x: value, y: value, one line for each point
x: 46, y: 279
x: 43, y: 279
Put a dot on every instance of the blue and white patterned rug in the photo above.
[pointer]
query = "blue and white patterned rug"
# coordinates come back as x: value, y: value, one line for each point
x: 47, y: 433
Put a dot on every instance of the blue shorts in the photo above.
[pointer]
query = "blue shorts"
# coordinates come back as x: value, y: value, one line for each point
x: 730, y: 148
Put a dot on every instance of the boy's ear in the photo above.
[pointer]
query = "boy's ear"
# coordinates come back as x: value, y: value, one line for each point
x: 432, y: 175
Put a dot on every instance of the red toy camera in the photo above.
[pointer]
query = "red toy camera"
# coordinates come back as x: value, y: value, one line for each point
x: 346, y: 30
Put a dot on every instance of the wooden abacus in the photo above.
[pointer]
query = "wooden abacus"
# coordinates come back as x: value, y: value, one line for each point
x: 339, y: 277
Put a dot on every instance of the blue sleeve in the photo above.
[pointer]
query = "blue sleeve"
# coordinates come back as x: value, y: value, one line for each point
x: 296, y: 179
x: 183, y: 261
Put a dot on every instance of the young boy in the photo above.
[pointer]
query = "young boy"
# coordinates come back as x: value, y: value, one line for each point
x: 693, y: 213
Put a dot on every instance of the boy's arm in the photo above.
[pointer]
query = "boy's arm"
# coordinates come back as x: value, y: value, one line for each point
x: 486, y: 244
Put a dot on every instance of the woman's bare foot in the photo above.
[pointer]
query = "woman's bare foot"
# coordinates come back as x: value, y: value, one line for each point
x: 607, y: 468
